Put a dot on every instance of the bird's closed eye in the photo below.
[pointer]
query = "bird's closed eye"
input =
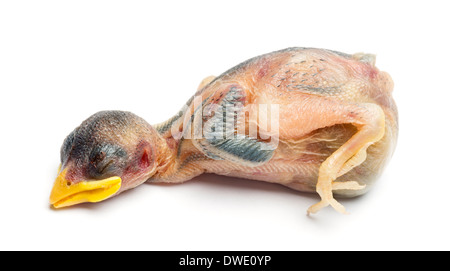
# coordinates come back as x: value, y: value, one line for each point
x: 105, y: 167
x: 98, y: 158
x: 104, y: 160
x: 99, y: 163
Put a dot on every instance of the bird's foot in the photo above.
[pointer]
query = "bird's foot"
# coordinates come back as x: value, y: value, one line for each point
x: 324, y: 203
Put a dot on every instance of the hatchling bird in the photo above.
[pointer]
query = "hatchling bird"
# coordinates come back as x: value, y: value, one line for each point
x: 313, y: 120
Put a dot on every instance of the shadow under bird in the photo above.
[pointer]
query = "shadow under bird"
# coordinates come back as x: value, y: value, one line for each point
x: 311, y: 119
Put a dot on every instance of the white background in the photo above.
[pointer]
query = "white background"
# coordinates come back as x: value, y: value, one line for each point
x: 61, y: 61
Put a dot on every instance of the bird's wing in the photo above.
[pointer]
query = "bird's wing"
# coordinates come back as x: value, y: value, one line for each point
x: 216, y: 124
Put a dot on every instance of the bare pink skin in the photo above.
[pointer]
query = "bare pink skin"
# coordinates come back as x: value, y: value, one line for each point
x: 332, y: 107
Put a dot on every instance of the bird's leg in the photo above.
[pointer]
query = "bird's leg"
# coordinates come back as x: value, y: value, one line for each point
x: 371, y: 128
x: 369, y: 120
x: 355, y: 161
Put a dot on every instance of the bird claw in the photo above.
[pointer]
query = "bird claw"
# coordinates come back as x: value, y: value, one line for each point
x: 324, y: 203
x: 329, y: 200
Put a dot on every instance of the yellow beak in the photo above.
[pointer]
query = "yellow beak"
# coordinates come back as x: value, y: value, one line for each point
x: 65, y: 194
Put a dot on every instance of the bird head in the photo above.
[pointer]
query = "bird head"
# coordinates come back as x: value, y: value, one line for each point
x: 110, y: 152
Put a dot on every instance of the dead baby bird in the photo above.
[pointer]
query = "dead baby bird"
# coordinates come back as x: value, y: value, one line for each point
x: 313, y: 120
